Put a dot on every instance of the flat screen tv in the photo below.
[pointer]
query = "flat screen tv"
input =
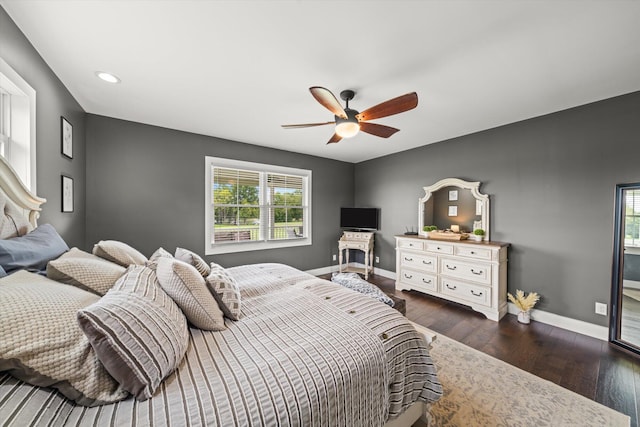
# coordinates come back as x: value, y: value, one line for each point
x: 360, y: 218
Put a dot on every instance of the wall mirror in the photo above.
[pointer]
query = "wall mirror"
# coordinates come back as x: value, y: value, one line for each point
x: 624, y: 329
x: 454, y: 202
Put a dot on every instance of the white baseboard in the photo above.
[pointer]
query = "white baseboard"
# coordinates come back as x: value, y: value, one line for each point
x: 574, y: 325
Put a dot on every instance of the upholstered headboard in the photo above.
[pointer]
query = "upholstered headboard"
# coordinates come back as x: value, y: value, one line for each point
x: 19, y: 208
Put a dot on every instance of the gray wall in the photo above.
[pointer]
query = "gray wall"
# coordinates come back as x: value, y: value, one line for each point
x: 145, y: 186
x: 52, y: 101
x: 551, y: 180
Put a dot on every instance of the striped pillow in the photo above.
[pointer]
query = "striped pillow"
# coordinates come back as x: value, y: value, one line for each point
x: 225, y: 290
x: 138, y: 332
x: 41, y: 343
x: 188, y: 289
x: 193, y: 259
x: 118, y: 252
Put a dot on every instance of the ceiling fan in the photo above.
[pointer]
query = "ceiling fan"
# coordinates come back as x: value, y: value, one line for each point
x: 349, y: 122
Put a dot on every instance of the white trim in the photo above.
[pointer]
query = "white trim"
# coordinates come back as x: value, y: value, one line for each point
x: 334, y: 268
x: 574, y: 325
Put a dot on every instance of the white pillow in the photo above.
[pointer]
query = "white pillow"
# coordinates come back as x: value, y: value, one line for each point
x: 118, y: 252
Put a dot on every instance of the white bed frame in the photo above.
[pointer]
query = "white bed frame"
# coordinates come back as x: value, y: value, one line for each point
x: 13, y: 188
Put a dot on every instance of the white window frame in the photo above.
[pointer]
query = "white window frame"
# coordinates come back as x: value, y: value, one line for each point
x: 20, y: 148
x: 263, y: 170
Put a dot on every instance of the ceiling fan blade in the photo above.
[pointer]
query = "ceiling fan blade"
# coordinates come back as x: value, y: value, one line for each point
x: 335, y: 138
x: 388, y: 108
x: 307, y: 125
x: 328, y: 100
x: 378, y: 130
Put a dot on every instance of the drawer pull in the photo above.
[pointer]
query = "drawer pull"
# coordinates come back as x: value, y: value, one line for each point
x: 426, y: 281
x: 408, y: 276
x: 438, y: 248
x: 476, y: 272
x: 479, y: 294
x: 426, y: 263
x: 408, y: 259
x: 453, y: 288
x: 473, y: 252
x: 451, y: 268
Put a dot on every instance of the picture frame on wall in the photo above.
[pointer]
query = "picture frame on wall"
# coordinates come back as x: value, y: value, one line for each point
x: 453, y: 210
x: 453, y: 195
x: 67, y: 194
x: 66, y: 137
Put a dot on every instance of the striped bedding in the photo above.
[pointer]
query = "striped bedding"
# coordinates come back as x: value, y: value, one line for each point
x: 306, y: 352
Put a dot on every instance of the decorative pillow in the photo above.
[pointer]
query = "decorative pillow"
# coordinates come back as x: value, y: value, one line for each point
x: 33, y: 250
x: 186, y: 286
x: 159, y: 253
x: 138, y: 332
x: 355, y: 283
x: 94, y: 275
x: 193, y: 259
x: 42, y: 344
x: 2, y: 272
x: 118, y: 252
x: 79, y: 253
x: 225, y: 290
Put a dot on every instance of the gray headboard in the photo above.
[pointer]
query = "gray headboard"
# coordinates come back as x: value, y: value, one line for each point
x: 19, y: 208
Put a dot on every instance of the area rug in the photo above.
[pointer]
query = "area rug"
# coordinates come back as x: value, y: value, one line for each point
x: 480, y: 390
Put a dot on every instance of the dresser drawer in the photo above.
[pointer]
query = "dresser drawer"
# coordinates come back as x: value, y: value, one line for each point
x: 466, y: 291
x: 478, y: 272
x: 418, y: 280
x: 411, y: 244
x: 441, y: 248
x: 352, y: 245
x: 418, y: 261
x: 472, y: 252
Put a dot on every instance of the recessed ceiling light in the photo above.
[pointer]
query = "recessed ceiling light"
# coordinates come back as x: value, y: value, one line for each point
x: 107, y: 77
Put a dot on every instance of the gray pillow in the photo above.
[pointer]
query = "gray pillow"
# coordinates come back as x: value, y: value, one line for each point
x: 42, y: 344
x: 188, y: 289
x: 225, y: 290
x: 94, y: 275
x: 194, y: 259
x: 138, y: 332
x: 33, y: 250
x: 118, y: 252
x: 160, y: 253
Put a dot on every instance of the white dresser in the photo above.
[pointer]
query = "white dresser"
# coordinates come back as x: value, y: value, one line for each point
x: 470, y: 273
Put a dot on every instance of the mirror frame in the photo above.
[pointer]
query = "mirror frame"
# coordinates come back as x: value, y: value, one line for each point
x: 456, y: 182
x: 615, y: 318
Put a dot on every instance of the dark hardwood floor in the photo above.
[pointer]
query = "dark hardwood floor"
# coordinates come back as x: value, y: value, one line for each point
x: 582, y: 364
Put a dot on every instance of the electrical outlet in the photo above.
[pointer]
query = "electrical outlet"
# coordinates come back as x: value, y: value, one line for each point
x: 377, y: 260
x: 334, y: 257
x: 601, y: 308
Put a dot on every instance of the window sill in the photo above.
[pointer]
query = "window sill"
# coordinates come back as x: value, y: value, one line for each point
x: 227, y: 248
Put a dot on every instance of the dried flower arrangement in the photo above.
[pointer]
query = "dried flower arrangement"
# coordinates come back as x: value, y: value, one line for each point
x: 524, y: 303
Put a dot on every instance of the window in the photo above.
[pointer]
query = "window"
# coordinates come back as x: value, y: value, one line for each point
x: 252, y: 206
x: 18, y: 124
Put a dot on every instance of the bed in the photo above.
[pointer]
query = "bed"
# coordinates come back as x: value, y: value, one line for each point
x: 303, y: 352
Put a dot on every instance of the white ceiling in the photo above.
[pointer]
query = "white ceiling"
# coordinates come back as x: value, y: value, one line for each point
x: 240, y: 69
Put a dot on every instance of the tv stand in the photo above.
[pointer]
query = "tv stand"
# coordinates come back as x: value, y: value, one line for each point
x: 361, y: 241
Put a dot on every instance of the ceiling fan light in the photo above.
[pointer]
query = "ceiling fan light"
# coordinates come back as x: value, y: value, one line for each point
x: 347, y: 129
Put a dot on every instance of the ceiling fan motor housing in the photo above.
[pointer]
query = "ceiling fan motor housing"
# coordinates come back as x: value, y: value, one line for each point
x: 348, y: 127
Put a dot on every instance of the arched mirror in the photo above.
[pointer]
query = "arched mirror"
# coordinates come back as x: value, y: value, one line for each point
x: 624, y: 329
x: 453, y: 203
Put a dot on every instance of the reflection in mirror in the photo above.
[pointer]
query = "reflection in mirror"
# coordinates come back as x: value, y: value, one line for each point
x: 453, y: 203
x: 625, y: 295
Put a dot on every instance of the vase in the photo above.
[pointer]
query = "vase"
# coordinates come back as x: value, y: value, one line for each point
x: 524, y: 317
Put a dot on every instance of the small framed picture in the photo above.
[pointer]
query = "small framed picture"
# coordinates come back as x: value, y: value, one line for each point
x: 66, y: 137
x: 67, y: 194
x: 453, y: 211
x: 453, y: 195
